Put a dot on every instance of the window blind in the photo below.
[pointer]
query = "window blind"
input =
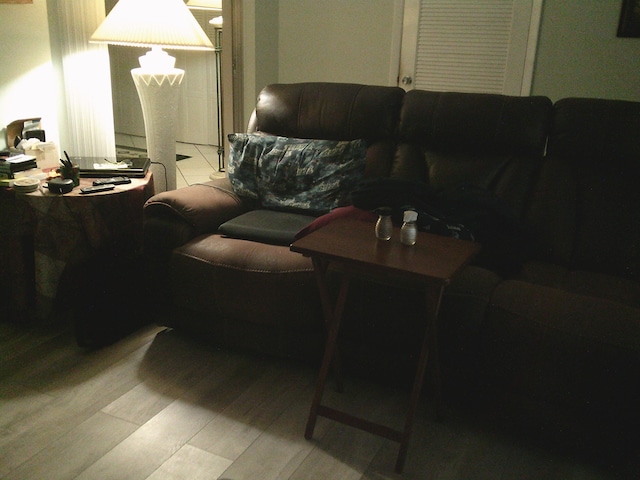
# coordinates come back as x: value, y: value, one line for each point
x: 463, y: 45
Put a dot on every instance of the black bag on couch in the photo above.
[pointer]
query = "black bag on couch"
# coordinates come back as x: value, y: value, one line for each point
x: 467, y: 212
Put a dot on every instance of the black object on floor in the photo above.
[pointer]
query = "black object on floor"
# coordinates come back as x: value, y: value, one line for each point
x: 110, y: 302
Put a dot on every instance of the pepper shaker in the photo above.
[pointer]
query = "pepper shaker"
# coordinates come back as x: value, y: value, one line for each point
x: 384, y: 225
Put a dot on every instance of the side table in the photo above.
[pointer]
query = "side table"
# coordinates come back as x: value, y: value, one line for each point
x: 71, y: 233
x: 353, y: 247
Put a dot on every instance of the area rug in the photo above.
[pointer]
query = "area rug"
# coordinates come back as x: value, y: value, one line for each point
x: 122, y: 151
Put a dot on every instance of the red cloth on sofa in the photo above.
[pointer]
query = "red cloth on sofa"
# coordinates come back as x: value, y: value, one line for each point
x: 339, y: 212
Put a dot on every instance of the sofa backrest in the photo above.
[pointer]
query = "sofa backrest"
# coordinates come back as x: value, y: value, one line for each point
x: 580, y: 195
x: 586, y: 205
x: 456, y: 139
x: 333, y: 111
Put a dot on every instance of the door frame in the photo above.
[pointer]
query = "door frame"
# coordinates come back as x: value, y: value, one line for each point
x: 232, y: 95
x: 409, y: 36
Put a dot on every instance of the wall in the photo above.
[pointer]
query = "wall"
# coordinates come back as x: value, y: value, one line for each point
x: 335, y: 41
x: 356, y: 41
x: 267, y: 57
x: 260, y: 55
x: 27, y: 85
x: 306, y: 40
x: 580, y: 55
x: 290, y: 41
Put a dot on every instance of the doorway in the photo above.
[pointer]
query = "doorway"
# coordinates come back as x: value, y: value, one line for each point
x: 203, y: 109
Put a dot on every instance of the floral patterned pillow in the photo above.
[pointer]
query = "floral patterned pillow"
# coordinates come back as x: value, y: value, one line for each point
x: 293, y: 174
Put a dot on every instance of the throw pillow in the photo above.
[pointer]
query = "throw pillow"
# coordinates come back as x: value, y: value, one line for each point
x: 243, y: 164
x: 305, y: 175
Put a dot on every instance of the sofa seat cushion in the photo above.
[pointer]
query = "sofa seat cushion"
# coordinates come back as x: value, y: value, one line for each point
x: 221, y: 252
x: 250, y: 281
x: 580, y: 282
x: 563, y: 346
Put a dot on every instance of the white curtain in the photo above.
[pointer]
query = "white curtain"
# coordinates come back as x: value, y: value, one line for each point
x: 85, y: 109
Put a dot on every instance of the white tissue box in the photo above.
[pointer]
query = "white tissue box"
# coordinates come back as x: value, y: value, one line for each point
x: 46, y: 154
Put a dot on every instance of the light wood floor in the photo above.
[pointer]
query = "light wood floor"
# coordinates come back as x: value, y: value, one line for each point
x: 160, y: 406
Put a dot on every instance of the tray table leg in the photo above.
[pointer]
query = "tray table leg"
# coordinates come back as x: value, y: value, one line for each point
x: 333, y: 319
x: 428, y: 353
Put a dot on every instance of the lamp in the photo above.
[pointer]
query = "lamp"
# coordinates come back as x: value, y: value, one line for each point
x: 157, y: 24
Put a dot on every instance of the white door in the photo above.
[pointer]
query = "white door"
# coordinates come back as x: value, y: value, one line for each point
x: 469, y: 45
x: 197, y: 112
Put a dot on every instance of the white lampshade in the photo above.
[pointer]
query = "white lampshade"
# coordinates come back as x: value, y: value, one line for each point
x: 205, y: 4
x: 152, y: 23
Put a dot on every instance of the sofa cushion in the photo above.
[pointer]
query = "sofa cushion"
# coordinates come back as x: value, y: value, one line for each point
x: 475, y: 122
x: 335, y: 111
x: 452, y: 139
x: 585, y: 204
x: 563, y: 346
x: 582, y: 282
x: 250, y: 282
x: 242, y: 169
x: 268, y: 226
x: 303, y: 175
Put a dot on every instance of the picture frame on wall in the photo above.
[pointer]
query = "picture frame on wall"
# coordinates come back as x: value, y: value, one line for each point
x: 629, y: 25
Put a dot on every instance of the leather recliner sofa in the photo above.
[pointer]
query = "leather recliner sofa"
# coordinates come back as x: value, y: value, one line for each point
x: 564, y: 328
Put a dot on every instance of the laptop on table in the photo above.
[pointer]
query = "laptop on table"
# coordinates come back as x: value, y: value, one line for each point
x: 102, y: 167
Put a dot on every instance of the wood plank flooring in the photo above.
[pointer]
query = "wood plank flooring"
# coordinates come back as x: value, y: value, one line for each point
x: 157, y: 405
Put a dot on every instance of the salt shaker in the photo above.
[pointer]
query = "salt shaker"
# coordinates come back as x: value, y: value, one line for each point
x: 384, y: 225
x: 409, y: 230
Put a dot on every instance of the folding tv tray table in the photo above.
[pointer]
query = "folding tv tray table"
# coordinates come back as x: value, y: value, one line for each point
x: 352, y: 246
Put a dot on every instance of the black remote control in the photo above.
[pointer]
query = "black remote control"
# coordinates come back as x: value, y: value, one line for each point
x: 112, y: 180
x: 98, y: 188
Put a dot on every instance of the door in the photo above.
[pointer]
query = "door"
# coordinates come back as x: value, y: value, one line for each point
x: 198, y: 113
x: 198, y: 109
x: 469, y: 45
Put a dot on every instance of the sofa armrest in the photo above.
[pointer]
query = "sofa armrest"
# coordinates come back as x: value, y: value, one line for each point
x: 173, y: 218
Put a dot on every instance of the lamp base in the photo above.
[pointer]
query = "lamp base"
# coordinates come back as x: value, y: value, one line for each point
x: 157, y: 60
x: 159, y: 95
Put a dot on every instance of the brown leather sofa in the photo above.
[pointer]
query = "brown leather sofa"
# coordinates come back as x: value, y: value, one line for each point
x: 564, y: 329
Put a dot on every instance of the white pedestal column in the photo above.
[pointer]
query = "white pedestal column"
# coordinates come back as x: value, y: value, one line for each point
x: 158, y: 94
